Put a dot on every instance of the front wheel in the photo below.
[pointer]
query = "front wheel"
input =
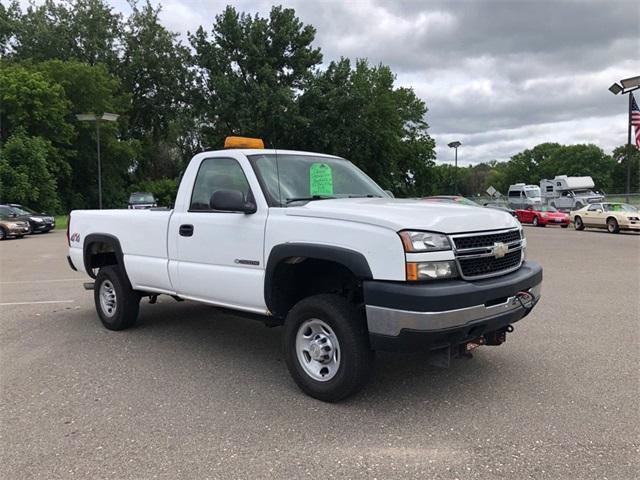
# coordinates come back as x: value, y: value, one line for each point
x: 612, y: 225
x: 326, y: 347
x: 535, y: 221
x: 564, y: 226
x: 578, y: 223
x: 116, y: 302
x: 3, y: 233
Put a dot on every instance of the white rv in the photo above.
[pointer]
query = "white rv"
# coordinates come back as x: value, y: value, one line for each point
x: 569, y: 193
x: 524, y: 196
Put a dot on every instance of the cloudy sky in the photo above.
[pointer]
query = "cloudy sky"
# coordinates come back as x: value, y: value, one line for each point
x: 500, y: 76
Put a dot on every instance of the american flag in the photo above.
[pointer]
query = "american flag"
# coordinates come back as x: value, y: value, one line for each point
x: 635, y: 119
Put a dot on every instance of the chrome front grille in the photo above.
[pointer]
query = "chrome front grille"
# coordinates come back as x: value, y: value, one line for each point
x: 486, y: 240
x: 488, y: 254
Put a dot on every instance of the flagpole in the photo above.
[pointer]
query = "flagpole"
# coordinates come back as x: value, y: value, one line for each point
x: 629, y: 148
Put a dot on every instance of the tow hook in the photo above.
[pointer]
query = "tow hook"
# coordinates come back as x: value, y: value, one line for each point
x: 526, y: 299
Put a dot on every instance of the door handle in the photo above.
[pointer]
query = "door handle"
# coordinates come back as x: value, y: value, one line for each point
x: 186, y: 230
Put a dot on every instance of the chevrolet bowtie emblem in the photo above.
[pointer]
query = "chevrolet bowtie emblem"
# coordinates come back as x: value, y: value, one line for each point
x: 499, y: 249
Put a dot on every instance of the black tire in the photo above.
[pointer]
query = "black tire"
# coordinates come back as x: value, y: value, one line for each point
x: 578, y: 223
x: 564, y: 226
x: 612, y: 225
x: 535, y: 222
x: 349, y: 328
x: 578, y: 206
x: 3, y: 233
x: 127, y: 301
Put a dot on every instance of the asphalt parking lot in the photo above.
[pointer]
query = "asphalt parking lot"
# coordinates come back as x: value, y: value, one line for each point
x: 191, y: 393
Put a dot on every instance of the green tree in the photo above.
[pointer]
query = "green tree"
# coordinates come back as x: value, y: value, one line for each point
x: 579, y: 160
x: 357, y: 113
x: 250, y: 70
x: 31, y: 102
x: 619, y: 174
x: 86, y: 30
x: 25, y: 176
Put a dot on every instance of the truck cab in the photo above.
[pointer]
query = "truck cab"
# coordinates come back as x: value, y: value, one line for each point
x: 309, y: 242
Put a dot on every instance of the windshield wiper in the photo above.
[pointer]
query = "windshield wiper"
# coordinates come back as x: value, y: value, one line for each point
x: 309, y: 199
x: 364, y: 196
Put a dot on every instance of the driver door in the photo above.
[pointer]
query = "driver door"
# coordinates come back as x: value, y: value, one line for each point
x: 220, y: 253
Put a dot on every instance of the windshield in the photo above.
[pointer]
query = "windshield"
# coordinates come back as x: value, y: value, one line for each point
x: 619, y: 207
x: 546, y: 209
x: 295, y: 178
x: 23, y: 211
x: 532, y: 192
x: 141, y: 198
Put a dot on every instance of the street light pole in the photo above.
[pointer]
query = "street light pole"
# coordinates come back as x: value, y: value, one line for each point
x: 91, y: 117
x: 455, y: 146
x: 625, y: 87
x: 99, y: 164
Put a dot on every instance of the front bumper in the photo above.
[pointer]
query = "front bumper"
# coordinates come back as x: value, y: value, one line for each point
x: 18, y: 231
x: 632, y: 225
x: 404, y: 316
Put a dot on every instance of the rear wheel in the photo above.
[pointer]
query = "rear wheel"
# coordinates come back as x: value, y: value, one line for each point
x: 535, y: 222
x: 116, y: 302
x: 327, y: 348
x: 612, y: 225
x: 3, y: 233
x: 578, y: 223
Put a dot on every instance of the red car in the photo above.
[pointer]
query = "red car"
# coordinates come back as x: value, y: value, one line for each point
x: 541, y: 216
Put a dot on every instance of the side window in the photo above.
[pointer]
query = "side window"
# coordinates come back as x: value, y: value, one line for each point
x: 217, y: 174
x: 514, y: 193
x: 593, y: 207
x: 549, y: 188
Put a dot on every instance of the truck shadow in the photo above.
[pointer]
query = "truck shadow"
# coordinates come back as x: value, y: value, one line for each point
x: 200, y: 334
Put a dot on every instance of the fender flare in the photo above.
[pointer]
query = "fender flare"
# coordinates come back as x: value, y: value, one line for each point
x: 351, y: 259
x: 101, y: 238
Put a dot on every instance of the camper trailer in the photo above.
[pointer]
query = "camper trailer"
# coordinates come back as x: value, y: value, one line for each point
x: 523, y: 196
x: 569, y: 193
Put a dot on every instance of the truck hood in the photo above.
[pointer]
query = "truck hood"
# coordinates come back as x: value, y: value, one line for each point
x: 401, y: 214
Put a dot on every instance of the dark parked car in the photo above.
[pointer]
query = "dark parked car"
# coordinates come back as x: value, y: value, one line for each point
x: 501, y: 206
x: 465, y: 201
x: 39, y: 222
x: 139, y: 200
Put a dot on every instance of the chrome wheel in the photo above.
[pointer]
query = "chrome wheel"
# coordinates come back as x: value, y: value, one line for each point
x: 318, y: 350
x: 108, y: 299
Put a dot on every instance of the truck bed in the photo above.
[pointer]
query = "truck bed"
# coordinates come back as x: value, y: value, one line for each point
x: 143, y: 238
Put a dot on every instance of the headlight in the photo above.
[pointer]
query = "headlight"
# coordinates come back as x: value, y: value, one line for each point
x: 635, y: 219
x: 431, y: 270
x: 36, y: 219
x: 424, y: 241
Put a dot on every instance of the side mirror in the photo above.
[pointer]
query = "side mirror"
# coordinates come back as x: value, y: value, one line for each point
x: 390, y: 193
x: 231, y: 201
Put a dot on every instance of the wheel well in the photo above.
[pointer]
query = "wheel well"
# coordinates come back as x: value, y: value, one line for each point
x: 612, y: 218
x: 101, y: 251
x: 295, y: 278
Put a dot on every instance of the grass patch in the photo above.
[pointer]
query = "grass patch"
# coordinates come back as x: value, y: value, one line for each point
x: 61, y: 222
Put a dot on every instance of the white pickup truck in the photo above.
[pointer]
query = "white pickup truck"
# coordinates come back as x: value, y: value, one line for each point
x: 308, y: 241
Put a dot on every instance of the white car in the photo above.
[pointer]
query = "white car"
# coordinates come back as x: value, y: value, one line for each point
x: 612, y: 216
x: 310, y: 242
